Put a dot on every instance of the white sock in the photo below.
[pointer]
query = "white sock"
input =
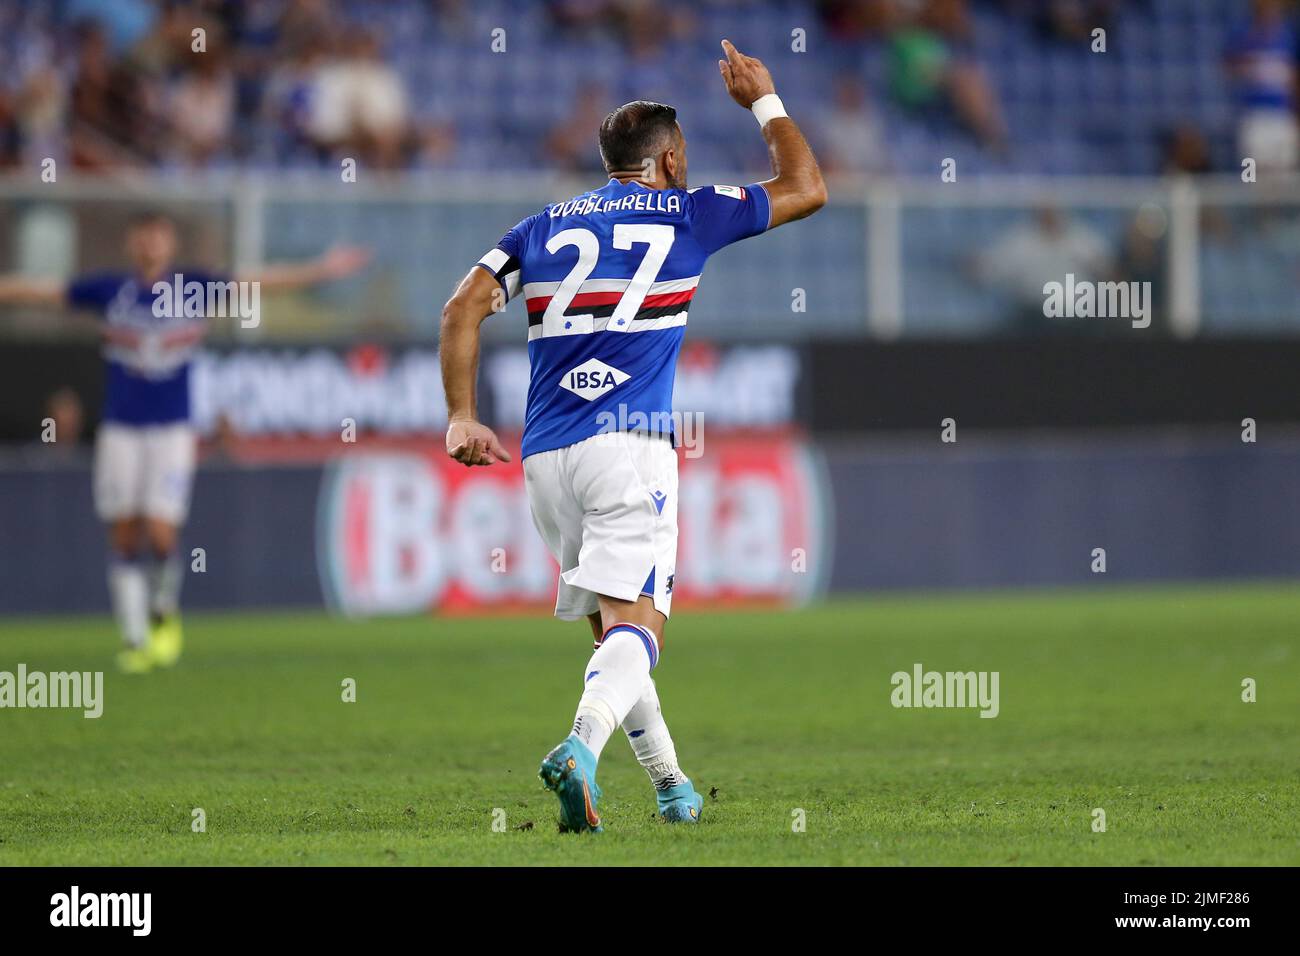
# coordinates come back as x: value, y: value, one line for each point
x: 613, y: 682
x: 165, y: 585
x: 653, y: 745
x: 128, y: 588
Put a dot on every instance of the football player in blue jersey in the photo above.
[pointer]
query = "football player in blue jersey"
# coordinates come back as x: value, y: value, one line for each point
x: 145, y: 448
x: 607, y: 279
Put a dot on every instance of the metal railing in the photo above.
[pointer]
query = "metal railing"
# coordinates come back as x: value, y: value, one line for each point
x: 887, y: 258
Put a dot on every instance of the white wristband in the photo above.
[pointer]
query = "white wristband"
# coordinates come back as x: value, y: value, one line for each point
x: 767, y: 107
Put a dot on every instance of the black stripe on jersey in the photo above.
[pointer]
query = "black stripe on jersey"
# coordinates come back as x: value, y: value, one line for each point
x: 604, y: 311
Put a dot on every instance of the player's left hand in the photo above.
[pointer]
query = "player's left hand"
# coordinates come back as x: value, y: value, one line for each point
x: 339, y: 262
x: 473, y: 443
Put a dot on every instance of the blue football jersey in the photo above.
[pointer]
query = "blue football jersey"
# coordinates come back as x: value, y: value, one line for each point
x: 148, y: 356
x: 607, y: 278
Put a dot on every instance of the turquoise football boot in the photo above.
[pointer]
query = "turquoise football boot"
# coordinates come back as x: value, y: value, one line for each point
x: 680, y: 804
x: 570, y: 770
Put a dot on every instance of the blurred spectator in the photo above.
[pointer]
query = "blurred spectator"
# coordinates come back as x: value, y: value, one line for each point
x: 571, y: 146
x: 358, y: 105
x: 579, y: 17
x: 41, y: 113
x: 1042, y: 249
x: 1261, y: 58
x: 168, y: 44
x: 644, y: 27
x: 1186, y: 152
x: 93, y: 111
x: 305, y: 21
x: 287, y: 102
x: 200, y: 110
x: 124, y: 22
x: 1143, y: 258
x: 932, y: 69
x: 65, y: 410
x: 853, y: 21
x: 647, y: 27
x: 1072, y: 20
x: 851, y: 138
x: 115, y: 82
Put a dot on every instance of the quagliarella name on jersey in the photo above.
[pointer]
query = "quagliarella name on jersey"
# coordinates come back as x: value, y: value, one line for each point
x: 650, y: 200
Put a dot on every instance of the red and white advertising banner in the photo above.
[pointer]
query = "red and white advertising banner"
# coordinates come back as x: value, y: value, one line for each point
x: 403, y: 531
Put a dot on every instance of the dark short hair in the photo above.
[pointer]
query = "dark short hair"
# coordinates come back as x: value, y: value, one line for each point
x: 635, y: 131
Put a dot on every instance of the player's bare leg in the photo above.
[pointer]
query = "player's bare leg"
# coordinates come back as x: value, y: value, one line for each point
x: 164, y: 577
x: 128, y: 588
x: 125, y: 536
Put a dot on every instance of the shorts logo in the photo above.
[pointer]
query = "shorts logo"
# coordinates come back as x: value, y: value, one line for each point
x: 592, y: 379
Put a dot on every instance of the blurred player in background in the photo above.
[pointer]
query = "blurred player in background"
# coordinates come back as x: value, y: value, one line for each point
x: 608, y: 277
x: 145, y: 449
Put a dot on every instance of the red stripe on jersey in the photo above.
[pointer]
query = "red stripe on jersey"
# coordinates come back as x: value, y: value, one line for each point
x: 587, y: 299
x: 581, y: 299
x: 668, y: 298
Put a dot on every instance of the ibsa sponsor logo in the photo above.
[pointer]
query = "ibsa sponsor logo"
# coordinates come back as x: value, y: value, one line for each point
x: 742, y: 386
x: 399, y: 533
x: 592, y: 379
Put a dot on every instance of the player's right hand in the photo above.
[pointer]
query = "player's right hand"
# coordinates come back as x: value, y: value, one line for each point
x: 472, y: 443
x: 746, y: 77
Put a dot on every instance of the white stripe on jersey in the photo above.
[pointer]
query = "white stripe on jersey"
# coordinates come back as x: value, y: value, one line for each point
x: 638, y: 325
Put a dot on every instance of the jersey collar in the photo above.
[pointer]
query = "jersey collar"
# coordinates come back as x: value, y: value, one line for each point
x: 631, y: 182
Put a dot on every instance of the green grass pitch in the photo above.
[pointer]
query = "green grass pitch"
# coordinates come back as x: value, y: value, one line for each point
x: 1124, y: 700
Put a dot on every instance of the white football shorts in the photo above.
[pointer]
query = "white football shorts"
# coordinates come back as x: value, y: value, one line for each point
x: 144, y: 471
x: 607, y: 509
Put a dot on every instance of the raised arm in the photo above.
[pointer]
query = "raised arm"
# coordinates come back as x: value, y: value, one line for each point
x: 337, y: 263
x: 22, y: 290
x: 468, y: 441
x: 797, y: 188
